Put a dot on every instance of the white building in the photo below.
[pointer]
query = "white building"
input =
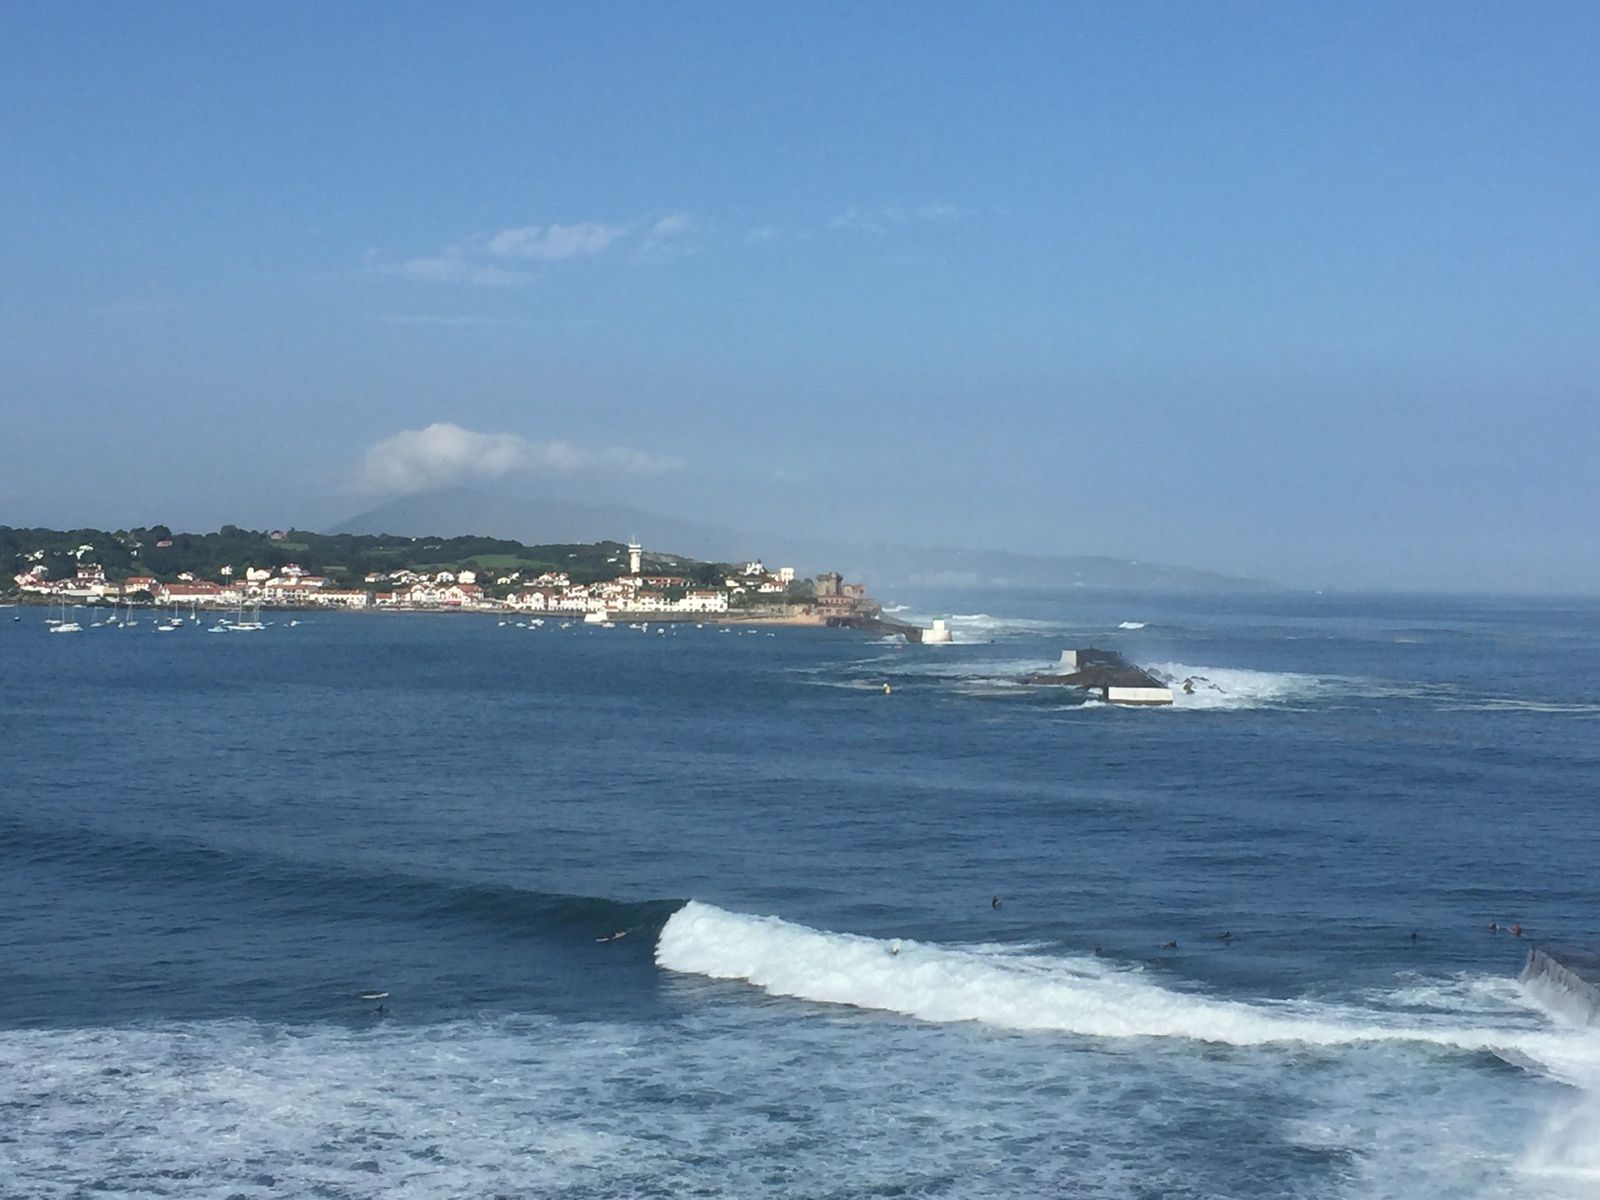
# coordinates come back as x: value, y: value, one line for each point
x: 704, y: 602
x: 342, y: 597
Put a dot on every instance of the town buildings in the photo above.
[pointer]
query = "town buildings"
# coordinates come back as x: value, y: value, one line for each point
x: 750, y: 590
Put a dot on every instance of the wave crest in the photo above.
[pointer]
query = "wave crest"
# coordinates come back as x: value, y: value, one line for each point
x: 1079, y: 994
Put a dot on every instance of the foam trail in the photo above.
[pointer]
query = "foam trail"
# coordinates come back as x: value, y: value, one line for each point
x: 1072, y: 995
x: 1130, y: 625
x: 1230, y: 687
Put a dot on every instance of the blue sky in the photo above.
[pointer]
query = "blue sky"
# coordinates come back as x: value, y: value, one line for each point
x: 1294, y: 290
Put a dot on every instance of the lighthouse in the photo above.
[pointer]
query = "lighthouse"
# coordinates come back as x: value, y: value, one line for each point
x: 635, y: 553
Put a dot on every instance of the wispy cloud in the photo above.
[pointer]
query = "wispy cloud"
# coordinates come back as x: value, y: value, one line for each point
x: 883, y: 218
x: 552, y: 242
x: 443, y: 453
x: 505, y: 259
x: 455, y: 267
x: 673, y: 225
x: 676, y: 235
x: 517, y: 256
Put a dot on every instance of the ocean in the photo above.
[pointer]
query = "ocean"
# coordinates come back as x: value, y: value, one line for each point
x: 329, y: 910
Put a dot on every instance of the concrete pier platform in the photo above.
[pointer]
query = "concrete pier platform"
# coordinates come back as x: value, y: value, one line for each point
x: 1105, y: 671
x: 879, y: 625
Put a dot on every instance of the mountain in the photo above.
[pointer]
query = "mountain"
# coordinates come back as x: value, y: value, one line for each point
x: 451, y: 511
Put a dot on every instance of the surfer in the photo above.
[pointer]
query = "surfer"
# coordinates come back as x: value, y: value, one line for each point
x: 1516, y: 931
x: 894, y: 947
x: 1172, y: 945
x: 1494, y: 926
x: 994, y: 901
x: 1226, y: 936
x: 611, y: 937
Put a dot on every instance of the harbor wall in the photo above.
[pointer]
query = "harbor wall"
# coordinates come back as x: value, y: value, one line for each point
x: 1565, y: 981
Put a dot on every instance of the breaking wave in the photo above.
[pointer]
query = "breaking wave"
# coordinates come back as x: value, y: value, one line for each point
x: 1231, y: 687
x: 1076, y: 995
x: 1130, y: 625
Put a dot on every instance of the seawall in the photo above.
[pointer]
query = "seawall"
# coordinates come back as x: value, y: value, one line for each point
x: 1565, y: 980
x: 879, y: 625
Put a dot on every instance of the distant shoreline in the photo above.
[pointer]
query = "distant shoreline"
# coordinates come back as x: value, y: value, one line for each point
x: 799, y: 620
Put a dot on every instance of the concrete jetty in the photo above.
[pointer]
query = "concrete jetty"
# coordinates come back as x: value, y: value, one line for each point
x: 877, y: 623
x: 1566, y: 981
x: 1104, y: 671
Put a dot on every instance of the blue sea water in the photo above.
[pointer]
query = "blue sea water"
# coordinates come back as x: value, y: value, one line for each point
x: 212, y: 846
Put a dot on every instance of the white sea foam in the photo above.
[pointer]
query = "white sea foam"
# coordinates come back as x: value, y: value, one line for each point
x: 733, y: 1101
x: 1517, y: 704
x: 1077, y: 995
x: 1130, y: 625
x: 981, y: 627
x: 721, y: 1097
x: 1482, y: 997
x: 1231, y: 687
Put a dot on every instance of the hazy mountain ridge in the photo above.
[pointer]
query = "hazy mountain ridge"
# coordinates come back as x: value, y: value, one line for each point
x: 451, y: 511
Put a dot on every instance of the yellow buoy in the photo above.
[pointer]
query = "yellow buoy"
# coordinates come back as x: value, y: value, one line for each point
x: 887, y: 690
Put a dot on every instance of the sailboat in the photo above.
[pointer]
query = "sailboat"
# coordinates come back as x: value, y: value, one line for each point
x: 243, y: 626
x: 64, y: 625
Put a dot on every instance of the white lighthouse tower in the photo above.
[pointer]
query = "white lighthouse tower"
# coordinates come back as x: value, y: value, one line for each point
x: 635, y: 552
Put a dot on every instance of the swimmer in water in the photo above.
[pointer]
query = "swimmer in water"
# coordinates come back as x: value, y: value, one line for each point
x: 1494, y: 926
x: 1516, y: 931
x: 894, y: 947
x: 994, y: 902
x: 1172, y: 945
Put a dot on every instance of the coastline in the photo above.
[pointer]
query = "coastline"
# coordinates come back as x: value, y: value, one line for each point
x: 798, y: 620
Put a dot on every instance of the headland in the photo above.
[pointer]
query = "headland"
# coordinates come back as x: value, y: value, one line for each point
x: 297, y: 569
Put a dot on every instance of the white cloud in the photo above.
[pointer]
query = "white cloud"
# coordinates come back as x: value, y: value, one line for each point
x: 893, y: 216
x: 443, y: 453
x: 488, y: 260
x: 451, y: 267
x: 506, y: 259
x: 672, y: 225
x: 551, y: 242
x: 675, y: 236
